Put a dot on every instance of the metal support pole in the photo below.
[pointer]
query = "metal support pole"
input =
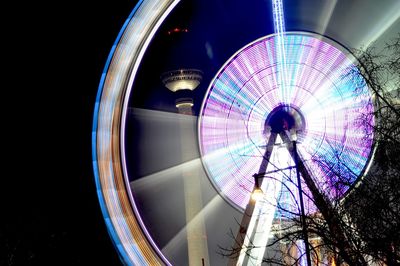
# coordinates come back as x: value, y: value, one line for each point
x: 303, y: 215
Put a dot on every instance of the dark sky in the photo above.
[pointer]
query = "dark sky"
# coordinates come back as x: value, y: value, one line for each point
x: 50, y: 211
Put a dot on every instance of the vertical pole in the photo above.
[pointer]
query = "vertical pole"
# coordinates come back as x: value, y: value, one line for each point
x: 303, y: 215
x: 195, y: 230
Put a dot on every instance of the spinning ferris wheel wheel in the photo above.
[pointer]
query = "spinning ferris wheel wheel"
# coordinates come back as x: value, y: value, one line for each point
x: 250, y: 112
x: 245, y: 102
x: 284, y: 106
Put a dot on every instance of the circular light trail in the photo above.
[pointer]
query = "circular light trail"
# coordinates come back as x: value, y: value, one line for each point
x: 322, y: 87
x: 125, y: 226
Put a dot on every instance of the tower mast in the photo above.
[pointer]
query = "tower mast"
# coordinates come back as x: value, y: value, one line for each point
x: 183, y: 81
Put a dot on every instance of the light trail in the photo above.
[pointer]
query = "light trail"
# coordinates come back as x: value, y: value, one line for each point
x: 131, y: 239
x: 180, y: 238
x: 159, y: 179
x: 384, y: 23
x: 279, y: 28
x: 159, y: 131
x: 326, y: 16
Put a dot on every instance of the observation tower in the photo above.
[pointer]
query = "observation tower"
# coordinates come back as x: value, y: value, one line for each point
x: 182, y: 82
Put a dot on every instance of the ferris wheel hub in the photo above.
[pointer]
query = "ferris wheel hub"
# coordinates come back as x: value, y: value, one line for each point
x: 286, y: 117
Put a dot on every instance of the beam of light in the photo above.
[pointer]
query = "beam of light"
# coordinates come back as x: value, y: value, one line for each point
x: 153, y: 115
x: 126, y: 229
x: 279, y: 28
x: 382, y: 25
x: 279, y: 19
x: 326, y: 16
x: 322, y: 87
x: 176, y: 129
x: 159, y: 179
x: 180, y: 237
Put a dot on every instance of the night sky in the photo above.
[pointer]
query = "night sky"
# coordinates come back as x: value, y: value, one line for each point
x: 50, y: 211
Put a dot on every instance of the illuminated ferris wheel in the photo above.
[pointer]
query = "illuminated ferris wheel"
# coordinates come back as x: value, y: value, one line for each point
x: 283, y: 106
x: 264, y: 118
x: 246, y: 104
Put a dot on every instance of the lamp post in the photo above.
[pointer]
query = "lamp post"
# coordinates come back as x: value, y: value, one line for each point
x: 257, y: 193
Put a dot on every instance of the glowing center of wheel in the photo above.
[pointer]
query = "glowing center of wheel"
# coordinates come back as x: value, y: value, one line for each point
x: 285, y: 118
x: 317, y: 94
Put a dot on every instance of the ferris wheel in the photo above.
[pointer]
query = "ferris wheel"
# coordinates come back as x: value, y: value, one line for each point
x: 318, y: 101
x: 261, y: 119
x: 255, y: 109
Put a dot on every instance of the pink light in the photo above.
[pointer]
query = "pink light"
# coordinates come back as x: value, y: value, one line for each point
x: 320, y: 84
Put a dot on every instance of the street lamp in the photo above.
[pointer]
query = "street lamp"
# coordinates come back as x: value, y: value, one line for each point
x: 257, y: 193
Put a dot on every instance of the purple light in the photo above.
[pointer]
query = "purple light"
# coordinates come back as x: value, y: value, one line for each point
x: 319, y: 82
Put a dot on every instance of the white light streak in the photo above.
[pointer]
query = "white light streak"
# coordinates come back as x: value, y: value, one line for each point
x: 180, y: 238
x: 133, y: 242
x: 279, y: 27
x: 147, y: 183
x: 326, y: 16
x: 381, y: 26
